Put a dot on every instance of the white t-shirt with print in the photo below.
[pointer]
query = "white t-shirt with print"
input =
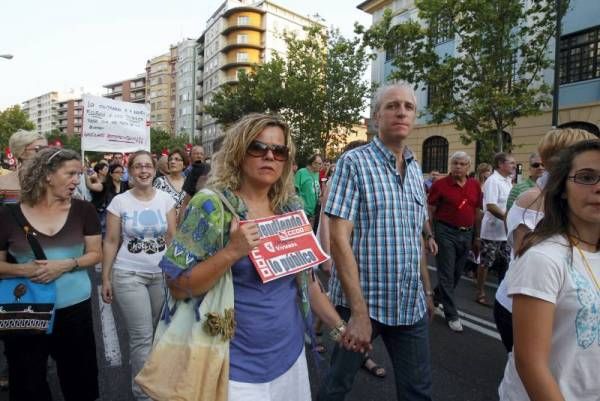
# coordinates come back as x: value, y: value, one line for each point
x: 143, y: 229
x: 545, y: 271
x: 495, y: 191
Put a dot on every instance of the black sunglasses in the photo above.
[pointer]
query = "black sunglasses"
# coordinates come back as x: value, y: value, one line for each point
x: 536, y: 165
x: 260, y: 149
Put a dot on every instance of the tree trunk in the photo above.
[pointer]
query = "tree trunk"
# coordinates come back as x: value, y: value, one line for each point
x: 500, y: 139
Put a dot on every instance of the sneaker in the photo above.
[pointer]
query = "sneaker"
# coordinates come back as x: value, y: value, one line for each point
x: 455, y: 325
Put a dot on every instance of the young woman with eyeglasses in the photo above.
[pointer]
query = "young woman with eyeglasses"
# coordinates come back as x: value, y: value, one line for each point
x: 523, y: 216
x: 555, y: 287
x: 140, y: 225
x: 172, y: 183
x: 253, y: 171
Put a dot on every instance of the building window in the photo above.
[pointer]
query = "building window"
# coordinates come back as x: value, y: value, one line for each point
x: 243, y: 20
x: 435, y: 154
x: 242, y: 57
x: 580, y: 56
x: 392, y: 52
x: 242, y: 38
x: 441, y: 30
x: 589, y: 127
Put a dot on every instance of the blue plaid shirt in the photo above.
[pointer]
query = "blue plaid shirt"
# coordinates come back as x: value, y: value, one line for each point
x: 388, y: 212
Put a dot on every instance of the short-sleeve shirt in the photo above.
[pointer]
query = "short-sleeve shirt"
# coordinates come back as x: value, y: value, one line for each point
x: 388, y: 212
x: 518, y: 190
x: 269, y: 329
x: 551, y: 272
x: 163, y: 184
x: 69, y: 242
x: 455, y: 205
x: 143, y: 229
x: 495, y: 191
x: 308, y: 187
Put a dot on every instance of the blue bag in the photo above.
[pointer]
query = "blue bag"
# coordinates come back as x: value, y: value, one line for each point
x: 26, y: 307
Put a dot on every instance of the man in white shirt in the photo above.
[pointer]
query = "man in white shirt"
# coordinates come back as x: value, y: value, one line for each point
x: 493, y: 232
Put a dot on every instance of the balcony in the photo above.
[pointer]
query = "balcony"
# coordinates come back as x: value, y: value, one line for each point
x: 236, y: 63
x: 236, y: 45
x: 235, y: 27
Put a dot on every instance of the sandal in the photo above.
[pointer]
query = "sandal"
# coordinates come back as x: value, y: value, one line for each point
x: 3, y: 383
x: 481, y: 300
x: 375, y: 370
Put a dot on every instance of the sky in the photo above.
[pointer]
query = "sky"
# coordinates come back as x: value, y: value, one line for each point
x: 66, y: 44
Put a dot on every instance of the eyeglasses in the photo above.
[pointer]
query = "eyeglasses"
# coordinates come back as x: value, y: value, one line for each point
x: 536, y: 165
x: 176, y: 159
x: 117, y: 172
x: 260, y: 149
x: 143, y: 167
x: 586, y: 177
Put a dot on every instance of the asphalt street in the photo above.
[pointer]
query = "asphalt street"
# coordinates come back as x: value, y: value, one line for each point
x: 466, y: 366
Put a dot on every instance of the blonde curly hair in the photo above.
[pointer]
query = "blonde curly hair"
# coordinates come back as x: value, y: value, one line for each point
x: 33, y: 174
x: 227, y: 165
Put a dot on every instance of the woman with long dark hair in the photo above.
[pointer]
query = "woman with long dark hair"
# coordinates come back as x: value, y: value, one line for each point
x: 555, y: 286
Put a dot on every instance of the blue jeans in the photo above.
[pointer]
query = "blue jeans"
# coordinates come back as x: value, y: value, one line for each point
x: 408, y: 347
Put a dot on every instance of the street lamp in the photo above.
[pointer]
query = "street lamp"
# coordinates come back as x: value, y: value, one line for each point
x: 6, y: 56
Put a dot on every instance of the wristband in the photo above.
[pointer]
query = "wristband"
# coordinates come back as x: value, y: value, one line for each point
x: 337, y: 332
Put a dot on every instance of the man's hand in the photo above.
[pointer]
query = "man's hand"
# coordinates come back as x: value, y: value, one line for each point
x: 430, y: 307
x: 357, y: 336
x: 432, y: 246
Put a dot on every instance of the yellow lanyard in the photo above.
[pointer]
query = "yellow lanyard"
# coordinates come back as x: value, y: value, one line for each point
x: 588, y: 267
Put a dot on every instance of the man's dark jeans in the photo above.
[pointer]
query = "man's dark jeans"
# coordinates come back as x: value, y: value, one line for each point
x: 408, y: 347
x: 453, y: 248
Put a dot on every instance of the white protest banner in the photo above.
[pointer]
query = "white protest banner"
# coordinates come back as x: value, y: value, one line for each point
x: 288, y: 246
x: 114, y: 126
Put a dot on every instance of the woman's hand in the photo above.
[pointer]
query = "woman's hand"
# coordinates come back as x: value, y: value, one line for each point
x: 107, y: 295
x: 242, y: 238
x: 46, y: 271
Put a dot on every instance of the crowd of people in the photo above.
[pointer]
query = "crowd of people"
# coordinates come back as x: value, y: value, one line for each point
x: 174, y: 229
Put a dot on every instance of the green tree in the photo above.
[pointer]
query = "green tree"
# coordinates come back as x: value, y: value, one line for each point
x: 161, y: 139
x: 317, y: 87
x: 495, y: 73
x: 13, y: 119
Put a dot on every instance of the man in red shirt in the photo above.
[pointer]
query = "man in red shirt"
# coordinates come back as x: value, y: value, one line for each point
x: 455, y: 208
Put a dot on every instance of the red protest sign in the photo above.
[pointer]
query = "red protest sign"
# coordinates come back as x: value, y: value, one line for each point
x: 288, y: 246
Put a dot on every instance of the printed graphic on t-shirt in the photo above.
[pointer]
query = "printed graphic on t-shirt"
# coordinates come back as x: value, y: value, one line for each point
x: 587, y: 322
x: 146, y: 228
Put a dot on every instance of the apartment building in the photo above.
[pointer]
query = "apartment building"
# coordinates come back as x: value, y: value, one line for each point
x: 185, y: 75
x: 128, y: 90
x: 198, y: 91
x: 239, y: 35
x: 70, y: 116
x: 43, y: 112
x: 161, y: 90
x: 579, y: 104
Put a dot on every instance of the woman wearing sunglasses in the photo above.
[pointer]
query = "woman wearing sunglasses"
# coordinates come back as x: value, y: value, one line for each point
x: 555, y: 287
x: 253, y: 171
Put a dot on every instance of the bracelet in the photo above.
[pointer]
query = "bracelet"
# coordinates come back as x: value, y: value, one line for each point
x: 76, y: 263
x: 429, y: 293
x: 337, y: 331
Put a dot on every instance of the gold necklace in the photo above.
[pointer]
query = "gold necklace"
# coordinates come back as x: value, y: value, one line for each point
x: 588, y: 267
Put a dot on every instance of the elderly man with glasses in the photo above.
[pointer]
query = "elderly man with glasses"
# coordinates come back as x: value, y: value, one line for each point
x: 536, y: 169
